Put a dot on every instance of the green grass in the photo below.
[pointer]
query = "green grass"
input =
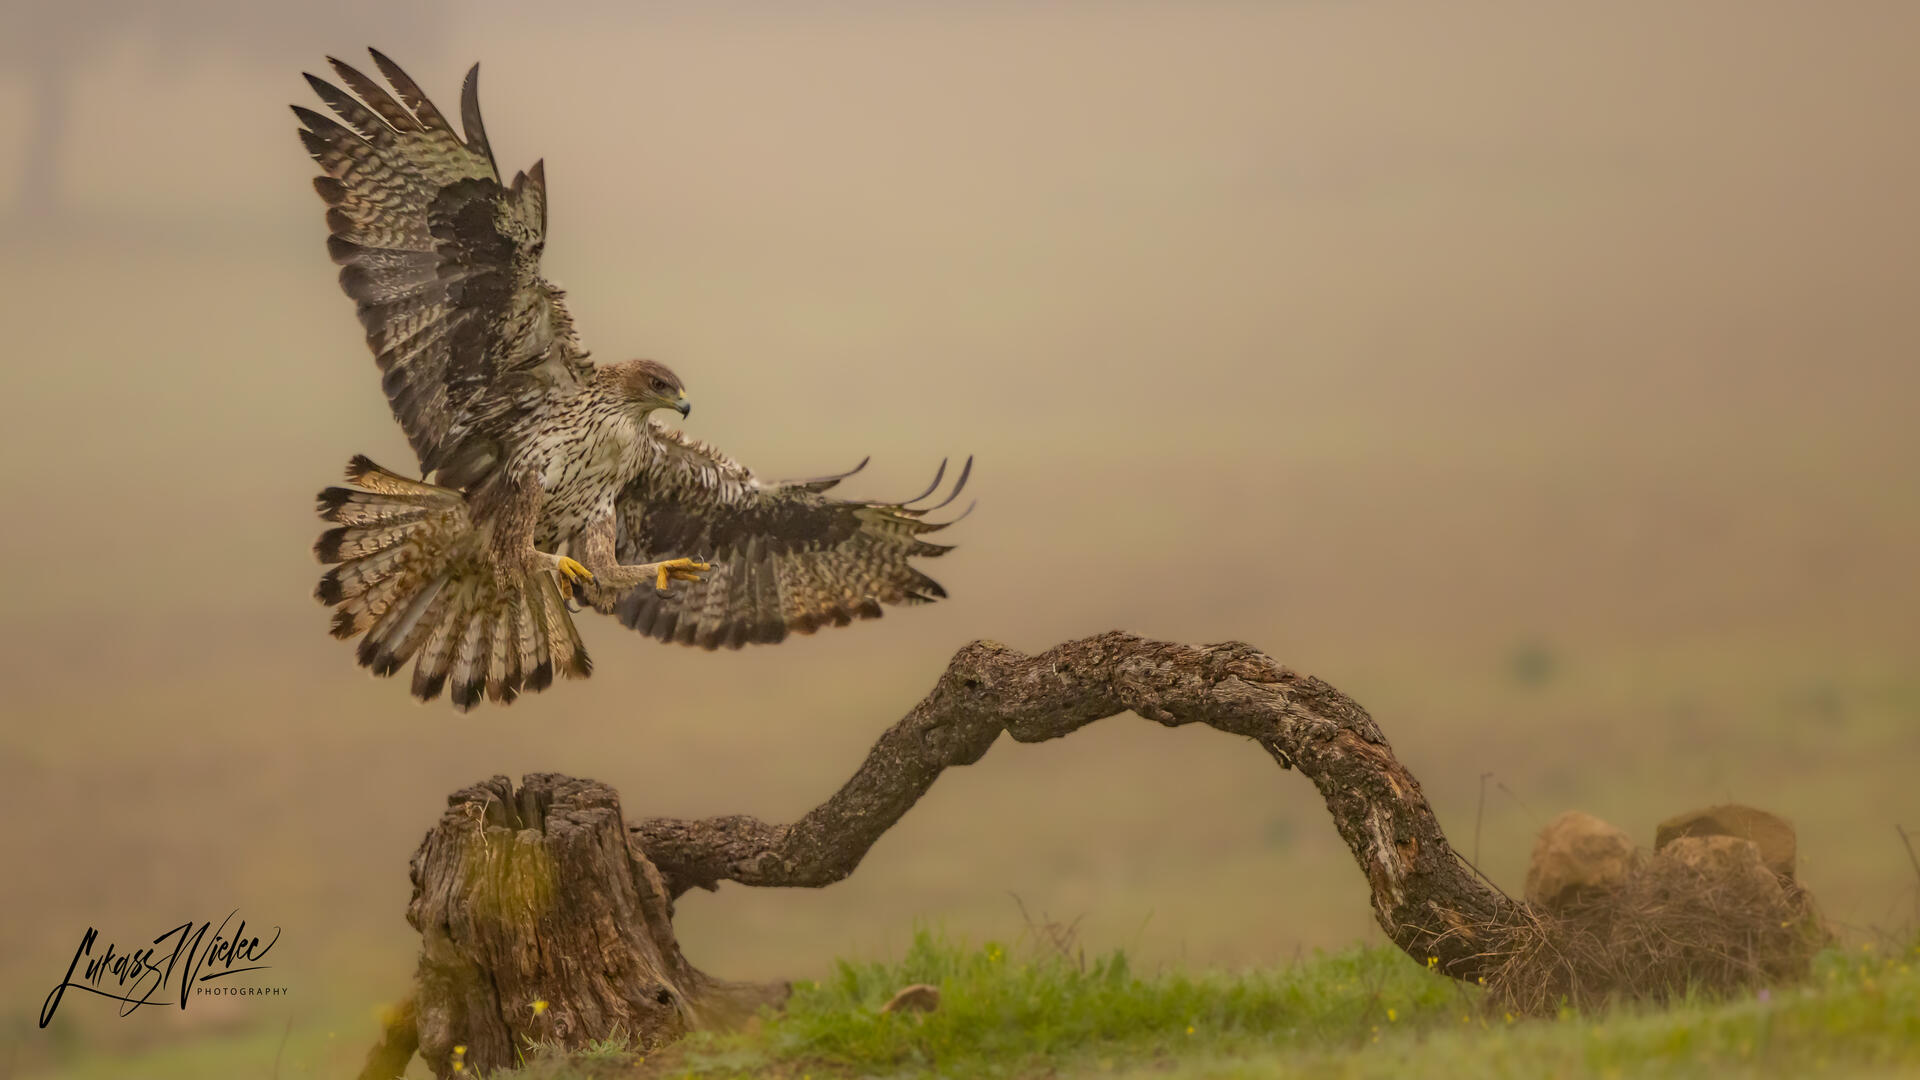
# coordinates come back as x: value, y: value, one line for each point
x: 1356, y: 1013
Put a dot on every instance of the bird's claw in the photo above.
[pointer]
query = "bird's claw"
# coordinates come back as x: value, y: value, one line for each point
x: 678, y: 570
x: 572, y: 572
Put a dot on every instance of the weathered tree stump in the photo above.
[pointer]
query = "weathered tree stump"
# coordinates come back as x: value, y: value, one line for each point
x: 545, y: 894
x: 542, y: 921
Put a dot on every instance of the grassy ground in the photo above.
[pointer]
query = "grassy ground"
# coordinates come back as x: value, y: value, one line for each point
x: 1356, y: 1013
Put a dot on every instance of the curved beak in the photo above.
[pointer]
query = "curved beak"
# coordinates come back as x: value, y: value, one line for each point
x: 684, y: 407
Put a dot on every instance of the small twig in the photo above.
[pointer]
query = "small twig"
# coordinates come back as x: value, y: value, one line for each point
x: 284, y: 1032
x: 1915, y: 860
x: 1481, y: 874
x: 1140, y: 933
x: 1061, y: 938
x: 1022, y: 905
x: 1503, y: 787
x: 1479, y: 815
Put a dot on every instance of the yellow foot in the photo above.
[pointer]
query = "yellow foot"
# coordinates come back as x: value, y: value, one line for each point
x: 679, y: 570
x: 572, y: 572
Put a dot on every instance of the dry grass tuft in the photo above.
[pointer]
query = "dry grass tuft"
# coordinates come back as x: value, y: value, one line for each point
x: 1669, y: 929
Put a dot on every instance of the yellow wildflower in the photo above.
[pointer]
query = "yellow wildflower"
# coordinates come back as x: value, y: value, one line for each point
x: 1392, y: 1015
x: 538, y: 1007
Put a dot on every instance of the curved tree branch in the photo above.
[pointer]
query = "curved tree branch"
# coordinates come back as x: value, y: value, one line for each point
x: 1424, y: 896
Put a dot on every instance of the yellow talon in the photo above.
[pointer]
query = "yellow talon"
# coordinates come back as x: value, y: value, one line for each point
x: 679, y: 570
x: 573, y: 571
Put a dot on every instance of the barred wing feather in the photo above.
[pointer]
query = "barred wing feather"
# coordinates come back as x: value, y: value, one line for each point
x: 786, y: 556
x: 441, y: 258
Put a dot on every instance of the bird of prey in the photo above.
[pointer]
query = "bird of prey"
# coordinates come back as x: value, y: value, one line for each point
x: 544, y: 482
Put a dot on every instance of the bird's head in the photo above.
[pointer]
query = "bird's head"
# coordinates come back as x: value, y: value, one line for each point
x: 648, y: 385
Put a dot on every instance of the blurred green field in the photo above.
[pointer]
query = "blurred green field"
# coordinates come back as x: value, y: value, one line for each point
x: 1548, y: 390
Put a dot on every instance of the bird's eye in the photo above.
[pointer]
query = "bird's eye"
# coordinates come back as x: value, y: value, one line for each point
x: 660, y: 385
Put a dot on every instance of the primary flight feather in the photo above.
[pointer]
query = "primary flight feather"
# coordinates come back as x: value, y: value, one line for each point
x: 545, y: 478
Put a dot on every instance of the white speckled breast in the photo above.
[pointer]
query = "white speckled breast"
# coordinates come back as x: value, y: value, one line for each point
x: 585, y: 450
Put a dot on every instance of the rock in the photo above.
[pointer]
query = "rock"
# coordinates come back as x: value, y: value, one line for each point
x: 1769, y: 832
x: 920, y: 997
x: 1727, y: 860
x: 1577, y: 853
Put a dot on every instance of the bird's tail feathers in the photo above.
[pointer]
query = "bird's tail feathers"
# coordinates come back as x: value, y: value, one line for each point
x: 412, y: 573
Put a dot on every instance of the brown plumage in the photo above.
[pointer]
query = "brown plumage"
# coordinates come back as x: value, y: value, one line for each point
x: 414, y: 575
x: 546, y: 481
x: 785, y: 557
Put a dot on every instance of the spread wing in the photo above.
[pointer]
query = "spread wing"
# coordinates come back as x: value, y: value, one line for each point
x: 786, y: 556
x: 442, y: 259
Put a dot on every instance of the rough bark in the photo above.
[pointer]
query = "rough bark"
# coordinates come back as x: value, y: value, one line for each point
x: 544, y: 893
x: 1424, y: 896
x: 542, y: 922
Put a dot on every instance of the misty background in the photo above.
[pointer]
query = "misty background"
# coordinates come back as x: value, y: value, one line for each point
x: 1542, y: 377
